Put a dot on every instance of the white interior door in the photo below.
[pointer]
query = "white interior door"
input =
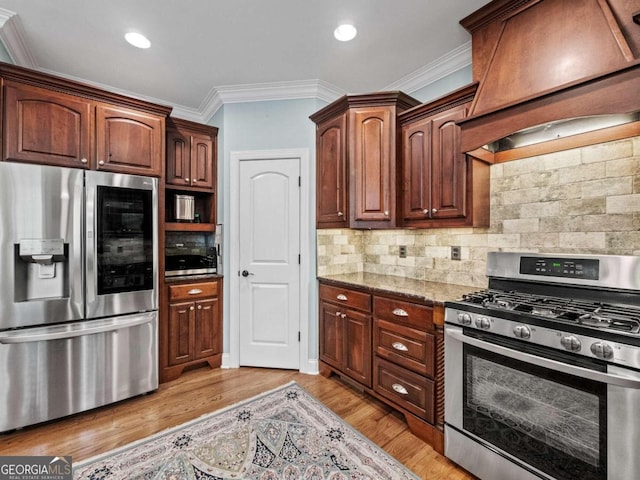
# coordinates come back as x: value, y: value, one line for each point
x: 269, y: 249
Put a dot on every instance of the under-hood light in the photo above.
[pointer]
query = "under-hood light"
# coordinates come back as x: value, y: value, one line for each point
x: 560, y: 129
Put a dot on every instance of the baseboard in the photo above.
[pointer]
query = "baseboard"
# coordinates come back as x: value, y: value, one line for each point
x: 227, y: 363
x: 311, y: 367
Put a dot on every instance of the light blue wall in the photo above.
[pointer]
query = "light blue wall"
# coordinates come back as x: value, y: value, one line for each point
x: 267, y: 125
x: 444, y: 86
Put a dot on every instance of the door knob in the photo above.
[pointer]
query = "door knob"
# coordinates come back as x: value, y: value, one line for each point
x: 246, y: 273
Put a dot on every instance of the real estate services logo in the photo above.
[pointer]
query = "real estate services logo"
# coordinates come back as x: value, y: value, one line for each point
x: 35, y: 468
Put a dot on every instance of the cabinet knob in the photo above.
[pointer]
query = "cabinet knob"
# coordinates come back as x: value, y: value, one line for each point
x: 434, y: 211
x: 199, y: 307
x: 340, y: 214
x: 191, y: 308
x: 338, y: 314
x: 343, y: 315
x: 83, y: 160
x: 101, y: 162
x: 400, y: 389
x: 186, y: 180
x: 386, y: 213
x: 194, y: 180
x: 425, y: 211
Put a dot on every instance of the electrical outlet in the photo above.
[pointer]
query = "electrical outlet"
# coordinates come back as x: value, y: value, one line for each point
x: 455, y: 253
x: 402, y: 251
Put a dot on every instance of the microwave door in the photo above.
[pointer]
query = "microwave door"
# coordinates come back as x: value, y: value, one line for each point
x: 41, y: 278
x: 121, y: 244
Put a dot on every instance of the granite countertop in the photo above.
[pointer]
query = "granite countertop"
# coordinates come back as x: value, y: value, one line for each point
x: 419, y: 289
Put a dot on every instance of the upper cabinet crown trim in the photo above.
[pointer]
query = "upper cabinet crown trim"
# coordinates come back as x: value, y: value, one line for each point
x: 45, y: 80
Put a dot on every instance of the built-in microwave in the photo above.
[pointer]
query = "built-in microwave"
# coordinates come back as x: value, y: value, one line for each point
x: 190, y: 253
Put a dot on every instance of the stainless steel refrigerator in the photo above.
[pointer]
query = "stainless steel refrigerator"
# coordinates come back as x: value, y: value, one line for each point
x: 78, y: 290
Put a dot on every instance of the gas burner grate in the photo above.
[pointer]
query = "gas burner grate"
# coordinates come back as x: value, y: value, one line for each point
x: 592, y: 314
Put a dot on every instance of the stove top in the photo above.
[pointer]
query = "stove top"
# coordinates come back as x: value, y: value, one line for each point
x: 599, y: 315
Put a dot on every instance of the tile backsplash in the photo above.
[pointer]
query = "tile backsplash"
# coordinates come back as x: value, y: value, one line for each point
x: 585, y: 200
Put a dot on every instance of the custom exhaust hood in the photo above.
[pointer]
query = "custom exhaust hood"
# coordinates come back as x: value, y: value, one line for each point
x: 565, y: 73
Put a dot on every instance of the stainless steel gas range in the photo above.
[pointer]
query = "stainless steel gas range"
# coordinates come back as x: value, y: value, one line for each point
x: 542, y: 369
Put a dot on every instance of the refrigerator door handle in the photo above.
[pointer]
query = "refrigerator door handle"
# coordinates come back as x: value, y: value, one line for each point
x: 75, y: 330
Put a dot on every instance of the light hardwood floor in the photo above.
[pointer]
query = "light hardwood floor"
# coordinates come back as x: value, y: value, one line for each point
x: 203, y: 391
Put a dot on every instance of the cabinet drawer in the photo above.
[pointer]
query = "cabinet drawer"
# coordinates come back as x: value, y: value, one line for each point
x: 408, y: 390
x: 193, y: 290
x: 344, y: 296
x: 408, y: 347
x: 398, y: 311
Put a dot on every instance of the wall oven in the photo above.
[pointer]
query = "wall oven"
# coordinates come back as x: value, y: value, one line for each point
x: 542, y: 369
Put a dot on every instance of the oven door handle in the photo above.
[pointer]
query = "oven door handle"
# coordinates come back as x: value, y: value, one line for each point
x: 608, y: 378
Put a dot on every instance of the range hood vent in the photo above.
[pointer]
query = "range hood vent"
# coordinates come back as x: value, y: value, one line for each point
x: 546, y: 68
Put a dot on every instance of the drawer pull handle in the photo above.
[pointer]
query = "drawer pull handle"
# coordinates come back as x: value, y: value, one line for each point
x: 194, y: 291
x: 400, y: 312
x: 400, y: 389
x: 342, y: 297
x: 400, y: 346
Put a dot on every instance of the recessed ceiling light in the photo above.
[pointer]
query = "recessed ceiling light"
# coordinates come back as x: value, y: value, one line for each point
x: 137, y: 40
x: 345, y: 32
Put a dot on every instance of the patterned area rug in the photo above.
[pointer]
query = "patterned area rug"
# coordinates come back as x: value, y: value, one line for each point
x: 282, y: 434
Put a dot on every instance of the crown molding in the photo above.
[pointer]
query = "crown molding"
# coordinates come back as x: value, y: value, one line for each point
x: 14, y: 40
x: 453, y: 61
x: 261, y: 92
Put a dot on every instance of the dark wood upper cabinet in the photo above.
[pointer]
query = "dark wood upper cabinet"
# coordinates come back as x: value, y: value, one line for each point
x: 332, y: 194
x: 54, y: 121
x: 356, y: 144
x: 191, y: 154
x: 43, y: 126
x: 441, y: 186
x: 128, y: 141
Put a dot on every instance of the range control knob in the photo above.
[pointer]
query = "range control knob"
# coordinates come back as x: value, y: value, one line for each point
x: 571, y: 343
x: 602, y: 350
x: 464, y: 318
x: 483, y: 323
x: 522, y: 331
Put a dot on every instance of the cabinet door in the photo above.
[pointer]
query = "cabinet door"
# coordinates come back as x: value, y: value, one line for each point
x: 449, y: 164
x: 178, y: 158
x: 331, y: 171
x: 128, y: 141
x: 202, y: 161
x: 181, y: 332
x: 206, y: 328
x: 357, y: 346
x: 416, y: 170
x: 331, y: 337
x: 42, y: 126
x: 372, y: 167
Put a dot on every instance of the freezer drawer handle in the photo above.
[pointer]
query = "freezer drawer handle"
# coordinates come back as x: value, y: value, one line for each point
x: 43, y: 336
x: 195, y: 291
x: 398, y: 312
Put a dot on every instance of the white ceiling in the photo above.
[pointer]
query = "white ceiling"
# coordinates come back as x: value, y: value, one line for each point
x: 203, y: 50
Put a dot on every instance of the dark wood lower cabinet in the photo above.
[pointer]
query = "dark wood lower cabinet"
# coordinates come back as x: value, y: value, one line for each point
x: 192, y: 333
x: 388, y: 347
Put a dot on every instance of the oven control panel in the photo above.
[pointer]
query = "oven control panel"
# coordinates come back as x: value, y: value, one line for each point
x: 587, y: 346
x: 587, y: 269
